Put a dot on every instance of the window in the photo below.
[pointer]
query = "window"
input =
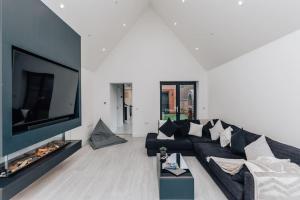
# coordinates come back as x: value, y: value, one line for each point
x: 178, y: 100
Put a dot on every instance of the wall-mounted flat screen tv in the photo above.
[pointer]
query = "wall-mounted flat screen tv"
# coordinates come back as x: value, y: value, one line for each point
x: 43, y: 92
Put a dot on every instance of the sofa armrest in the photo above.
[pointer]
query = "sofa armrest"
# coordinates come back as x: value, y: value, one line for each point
x: 150, y: 138
x: 248, y: 186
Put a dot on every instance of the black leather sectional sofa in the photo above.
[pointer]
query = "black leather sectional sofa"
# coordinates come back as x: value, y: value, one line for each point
x: 202, y: 147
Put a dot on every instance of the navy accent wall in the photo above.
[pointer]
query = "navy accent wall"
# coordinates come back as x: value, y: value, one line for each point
x: 31, y: 25
x: 1, y: 115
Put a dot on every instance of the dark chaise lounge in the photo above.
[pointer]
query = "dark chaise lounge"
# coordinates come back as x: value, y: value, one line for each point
x: 203, y: 147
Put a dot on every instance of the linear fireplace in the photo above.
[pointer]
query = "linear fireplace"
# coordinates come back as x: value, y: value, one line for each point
x: 11, y: 185
x: 10, y: 167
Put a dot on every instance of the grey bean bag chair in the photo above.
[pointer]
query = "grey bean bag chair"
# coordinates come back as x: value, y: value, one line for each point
x: 102, y: 136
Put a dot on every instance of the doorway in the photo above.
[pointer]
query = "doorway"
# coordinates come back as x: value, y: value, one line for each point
x: 121, y: 108
x: 178, y: 100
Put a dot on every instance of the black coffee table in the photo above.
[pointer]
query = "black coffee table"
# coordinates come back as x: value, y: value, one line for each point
x: 172, y: 186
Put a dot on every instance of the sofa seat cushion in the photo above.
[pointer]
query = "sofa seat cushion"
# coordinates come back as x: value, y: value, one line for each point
x: 213, y: 149
x: 196, y: 139
x: 178, y: 144
x: 234, y: 187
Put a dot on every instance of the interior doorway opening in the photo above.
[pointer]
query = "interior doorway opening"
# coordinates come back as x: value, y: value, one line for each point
x: 121, y: 108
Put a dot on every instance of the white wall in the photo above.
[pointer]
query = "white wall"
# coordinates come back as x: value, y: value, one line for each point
x: 260, y: 91
x: 148, y: 54
x: 87, y: 109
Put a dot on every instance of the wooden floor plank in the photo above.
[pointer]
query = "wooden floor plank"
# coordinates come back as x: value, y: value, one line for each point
x: 120, y: 172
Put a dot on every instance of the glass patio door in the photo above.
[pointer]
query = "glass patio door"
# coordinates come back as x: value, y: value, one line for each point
x: 178, y: 100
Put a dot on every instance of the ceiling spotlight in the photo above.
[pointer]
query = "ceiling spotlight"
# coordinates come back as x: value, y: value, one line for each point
x: 175, y: 23
x: 240, y: 3
x: 61, y: 5
x: 183, y: 1
x: 103, y: 49
x: 124, y: 25
x: 197, y: 48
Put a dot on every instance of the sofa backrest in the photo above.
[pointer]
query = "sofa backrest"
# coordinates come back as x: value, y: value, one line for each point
x: 284, y: 151
x: 280, y: 150
x: 250, y: 137
x: 183, y: 124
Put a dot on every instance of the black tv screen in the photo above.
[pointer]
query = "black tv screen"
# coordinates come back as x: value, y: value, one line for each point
x: 43, y: 92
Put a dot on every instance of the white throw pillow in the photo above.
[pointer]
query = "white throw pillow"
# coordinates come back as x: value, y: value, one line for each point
x: 225, y: 137
x: 196, y: 129
x: 216, y: 130
x: 258, y: 148
x: 161, y: 135
x: 160, y: 123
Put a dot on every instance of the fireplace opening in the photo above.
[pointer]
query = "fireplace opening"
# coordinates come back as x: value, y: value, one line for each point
x: 21, y: 162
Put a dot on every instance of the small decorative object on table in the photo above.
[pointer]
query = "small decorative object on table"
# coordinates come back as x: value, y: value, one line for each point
x: 163, y: 154
x: 175, y: 164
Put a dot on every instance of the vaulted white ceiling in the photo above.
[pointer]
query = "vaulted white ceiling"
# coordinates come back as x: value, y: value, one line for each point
x: 223, y: 29
x: 101, y: 23
x: 215, y: 31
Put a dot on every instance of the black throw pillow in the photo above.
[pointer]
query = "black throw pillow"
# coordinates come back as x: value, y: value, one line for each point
x: 168, y: 128
x: 238, y: 142
x: 239, y: 177
x: 225, y: 125
x: 183, y: 128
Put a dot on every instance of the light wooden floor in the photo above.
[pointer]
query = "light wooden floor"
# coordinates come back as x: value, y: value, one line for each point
x: 125, y: 129
x: 121, y: 172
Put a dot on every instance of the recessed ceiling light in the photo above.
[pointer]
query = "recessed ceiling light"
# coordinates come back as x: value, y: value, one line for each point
x: 61, y: 5
x: 103, y: 49
x: 124, y: 25
x: 183, y: 1
x: 240, y: 3
x: 197, y: 48
x: 175, y: 23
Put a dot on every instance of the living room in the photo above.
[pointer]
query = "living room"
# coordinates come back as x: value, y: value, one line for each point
x: 214, y: 94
